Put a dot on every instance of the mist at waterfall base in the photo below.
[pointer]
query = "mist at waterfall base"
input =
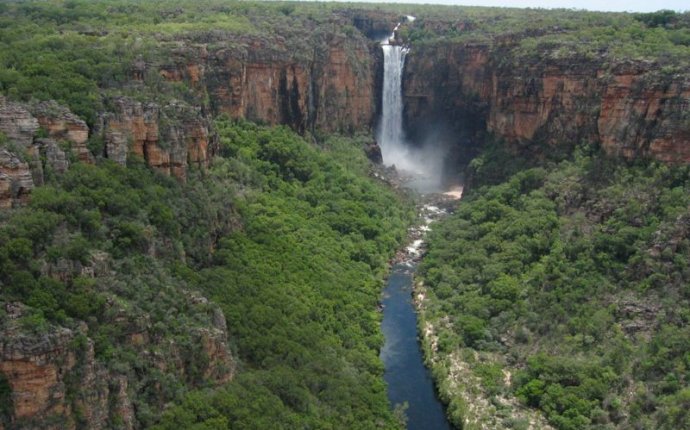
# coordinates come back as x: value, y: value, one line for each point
x: 422, y: 164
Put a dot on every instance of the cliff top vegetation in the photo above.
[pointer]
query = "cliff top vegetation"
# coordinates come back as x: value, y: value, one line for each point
x: 73, y: 51
x: 662, y: 36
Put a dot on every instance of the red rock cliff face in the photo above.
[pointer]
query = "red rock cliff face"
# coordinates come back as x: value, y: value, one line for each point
x: 17, y: 130
x: 170, y: 138
x: 642, y: 115
x: 330, y: 86
x: 631, y: 109
x: 57, y: 383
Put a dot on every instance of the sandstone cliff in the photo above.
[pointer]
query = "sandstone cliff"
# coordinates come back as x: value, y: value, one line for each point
x: 15, y: 180
x: 57, y: 383
x: 631, y: 109
x: 170, y: 138
x: 17, y: 129
x: 44, y: 138
x: 328, y: 84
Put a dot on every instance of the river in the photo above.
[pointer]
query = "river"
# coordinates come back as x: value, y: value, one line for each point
x: 407, y: 378
x: 409, y: 381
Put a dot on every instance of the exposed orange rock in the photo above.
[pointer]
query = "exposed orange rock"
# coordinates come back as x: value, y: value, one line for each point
x: 63, y: 125
x: 348, y: 97
x: 16, y: 181
x: 34, y: 366
x: 631, y: 108
x: 545, y: 105
x: 28, y: 151
x: 168, y: 138
x: 17, y: 123
x: 331, y: 89
x: 639, y: 117
x: 30, y: 385
x: 52, y: 376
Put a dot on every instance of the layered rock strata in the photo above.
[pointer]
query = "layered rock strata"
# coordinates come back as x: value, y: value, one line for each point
x: 56, y: 381
x: 630, y: 108
x: 329, y: 85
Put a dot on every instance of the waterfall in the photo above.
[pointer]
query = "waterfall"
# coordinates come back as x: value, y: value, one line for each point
x: 420, y: 162
x: 391, y: 135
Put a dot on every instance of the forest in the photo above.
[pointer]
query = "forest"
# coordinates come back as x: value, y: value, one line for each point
x: 573, y: 277
x: 299, y: 236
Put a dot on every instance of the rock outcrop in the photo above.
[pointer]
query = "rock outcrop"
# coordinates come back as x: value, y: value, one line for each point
x: 17, y: 124
x: 630, y: 108
x: 332, y: 87
x: 170, y: 138
x: 643, y: 113
x: 16, y: 181
x: 17, y: 130
x: 61, y: 125
x: 56, y: 382
x: 44, y: 138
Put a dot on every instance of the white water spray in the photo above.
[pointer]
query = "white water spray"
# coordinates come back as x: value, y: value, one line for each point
x: 391, y: 134
x: 423, y: 164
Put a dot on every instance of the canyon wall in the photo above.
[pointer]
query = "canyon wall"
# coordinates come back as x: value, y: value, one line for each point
x: 44, y: 138
x: 331, y: 87
x: 328, y: 85
x: 57, y: 383
x: 329, y: 80
x: 52, y: 377
x: 630, y: 108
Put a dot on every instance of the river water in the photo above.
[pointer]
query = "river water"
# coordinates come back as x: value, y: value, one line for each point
x: 407, y: 378
x: 409, y: 381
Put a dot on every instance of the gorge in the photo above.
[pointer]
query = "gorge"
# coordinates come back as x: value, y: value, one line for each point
x: 190, y: 234
x: 409, y: 382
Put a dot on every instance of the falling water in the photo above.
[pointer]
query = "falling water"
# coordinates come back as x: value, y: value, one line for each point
x: 391, y: 134
x: 423, y: 164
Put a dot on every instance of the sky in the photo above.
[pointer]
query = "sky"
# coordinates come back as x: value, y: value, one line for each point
x: 602, y: 5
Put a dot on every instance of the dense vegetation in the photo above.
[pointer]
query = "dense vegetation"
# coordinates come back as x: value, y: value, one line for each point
x: 291, y: 240
x: 77, y: 51
x: 299, y: 286
x: 662, y: 36
x: 574, y: 277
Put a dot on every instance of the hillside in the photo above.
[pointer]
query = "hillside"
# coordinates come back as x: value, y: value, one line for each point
x: 124, y: 289
x: 560, y: 284
x: 565, y: 287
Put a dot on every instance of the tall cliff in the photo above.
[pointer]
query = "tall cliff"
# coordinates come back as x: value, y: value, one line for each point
x: 56, y: 381
x: 328, y: 84
x: 331, y: 87
x: 119, y: 370
x: 631, y: 108
x: 44, y: 138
